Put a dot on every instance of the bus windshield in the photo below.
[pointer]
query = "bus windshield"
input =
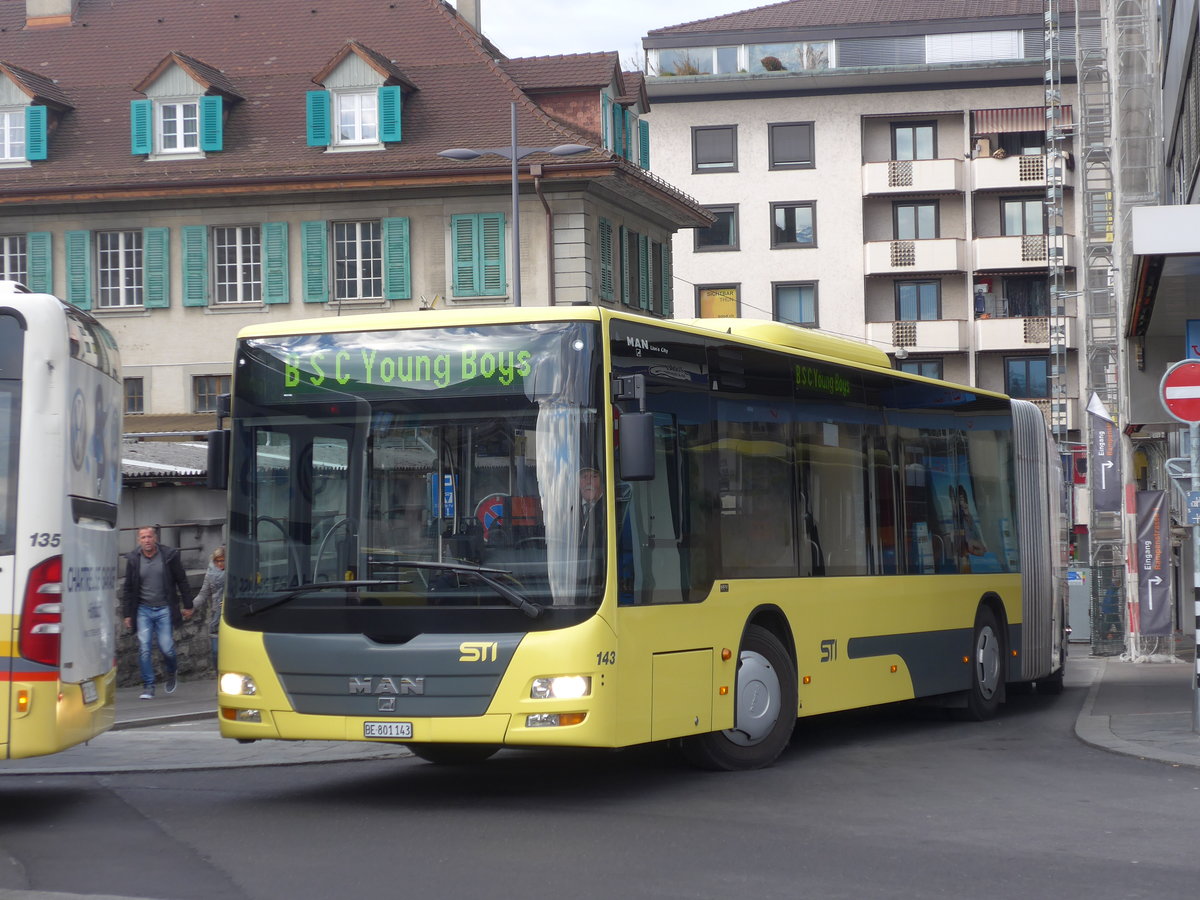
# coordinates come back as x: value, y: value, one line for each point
x: 391, y: 482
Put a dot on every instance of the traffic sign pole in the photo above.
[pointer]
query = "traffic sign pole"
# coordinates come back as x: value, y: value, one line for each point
x: 1180, y: 394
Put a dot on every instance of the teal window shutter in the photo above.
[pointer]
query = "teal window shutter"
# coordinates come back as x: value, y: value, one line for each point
x: 668, y: 303
x: 390, y: 104
x: 314, y: 252
x: 643, y: 246
x: 606, y: 260
x: 39, y: 257
x: 618, y: 121
x: 141, y: 127
x: 79, y: 268
x: 156, y: 280
x: 212, y: 123
x: 275, y: 263
x: 643, y: 143
x: 317, y: 105
x: 397, y: 282
x: 630, y: 133
x: 462, y: 236
x: 35, y: 133
x: 194, y: 239
x: 623, y: 249
x: 605, y: 119
x: 491, y: 253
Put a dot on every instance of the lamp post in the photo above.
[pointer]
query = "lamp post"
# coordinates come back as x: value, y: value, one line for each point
x: 514, y: 154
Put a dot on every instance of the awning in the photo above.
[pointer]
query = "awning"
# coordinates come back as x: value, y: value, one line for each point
x: 1006, y: 121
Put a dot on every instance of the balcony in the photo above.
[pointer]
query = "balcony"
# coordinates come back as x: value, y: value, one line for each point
x: 1027, y: 251
x: 1015, y: 173
x: 921, y: 176
x: 1021, y: 333
x: 915, y: 257
x: 933, y: 336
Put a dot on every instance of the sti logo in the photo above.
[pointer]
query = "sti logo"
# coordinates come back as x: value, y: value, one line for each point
x: 477, y: 651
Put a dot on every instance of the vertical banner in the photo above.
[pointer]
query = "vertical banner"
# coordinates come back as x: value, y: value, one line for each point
x: 1104, y: 464
x: 1153, y: 563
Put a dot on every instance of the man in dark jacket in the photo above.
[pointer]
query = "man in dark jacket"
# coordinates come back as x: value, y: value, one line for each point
x: 155, y: 586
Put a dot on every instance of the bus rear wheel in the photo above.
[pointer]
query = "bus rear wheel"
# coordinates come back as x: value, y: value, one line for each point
x: 453, y: 754
x: 987, y: 668
x: 765, y: 697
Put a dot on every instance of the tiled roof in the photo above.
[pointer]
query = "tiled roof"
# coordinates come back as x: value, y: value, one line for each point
x: 270, y: 51
x: 36, y: 86
x: 575, y: 70
x: 820, y: 13
x: 163, y: 460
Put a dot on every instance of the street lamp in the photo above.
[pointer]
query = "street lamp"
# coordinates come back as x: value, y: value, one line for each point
x: 514, y: 154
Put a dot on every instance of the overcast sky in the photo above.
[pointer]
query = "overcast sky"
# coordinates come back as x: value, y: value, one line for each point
x: 548, y: 27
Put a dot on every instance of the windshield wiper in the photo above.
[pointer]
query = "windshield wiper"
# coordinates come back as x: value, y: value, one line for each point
x: 525, y: 605
x: 531, y: 609
x: 253, y: 609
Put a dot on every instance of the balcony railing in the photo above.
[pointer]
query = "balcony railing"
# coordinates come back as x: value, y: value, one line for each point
x: 909, y: 176
x: 1022, y: 333
x: 915, y: 257
x: 1024, y: 251
x: 1018, y: 172
x: 926, y: 336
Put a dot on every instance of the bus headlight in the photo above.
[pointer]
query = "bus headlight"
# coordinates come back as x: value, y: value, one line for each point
x: 561, y: 687
x: 236, y: 685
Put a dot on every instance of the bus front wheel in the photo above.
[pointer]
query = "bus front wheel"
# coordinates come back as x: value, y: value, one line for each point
x: 987, y: 668
x: 765, y: 714
x: 453, y: 754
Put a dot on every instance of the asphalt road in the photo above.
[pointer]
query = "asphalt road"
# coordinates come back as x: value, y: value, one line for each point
x: 898, y: 803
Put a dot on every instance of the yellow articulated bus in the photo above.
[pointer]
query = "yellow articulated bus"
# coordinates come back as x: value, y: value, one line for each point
x: 60, y: 482
x: 463, y: 531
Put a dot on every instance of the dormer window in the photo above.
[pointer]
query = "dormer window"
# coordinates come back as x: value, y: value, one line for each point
x: 12, y: 135
x: 30, y: 107
x: 360, y: 106
x: 184, y: 113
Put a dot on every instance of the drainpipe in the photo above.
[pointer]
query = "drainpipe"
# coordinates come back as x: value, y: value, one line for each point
x: 535, y: 169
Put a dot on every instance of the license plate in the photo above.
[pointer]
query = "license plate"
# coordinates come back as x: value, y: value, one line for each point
x: 387, y: 729
x: 90, y: 692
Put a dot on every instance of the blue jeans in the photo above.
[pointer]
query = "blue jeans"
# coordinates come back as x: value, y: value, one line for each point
x: 155, y: 621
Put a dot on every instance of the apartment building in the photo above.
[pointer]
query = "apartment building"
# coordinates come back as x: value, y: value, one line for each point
x: 881, y: 171
x: 185, y: 169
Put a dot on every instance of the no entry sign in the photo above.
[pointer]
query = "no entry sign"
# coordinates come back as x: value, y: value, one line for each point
x: 1180, y: 391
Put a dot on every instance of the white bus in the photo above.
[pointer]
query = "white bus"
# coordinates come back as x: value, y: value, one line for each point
x: 60, y: 480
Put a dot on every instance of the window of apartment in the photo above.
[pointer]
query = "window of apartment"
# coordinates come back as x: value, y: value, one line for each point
x: 973, y: 46
x: 205, y: 391
x: 178, y: 126
x: 795, y: 302
x: 1024, y: 215
x: 915, y: 221
x: 12, y: 135
x: 918, y: 301
x: 928, y: 368
x: 135, y: 396
x: 119, y: 269
x: 1026, y: 295
x: 1027, y: 376
x: 237, y: 253
x: 914, y: 140
x: 357, y: 260
x: 793, y: 225
x: 714, y: 148
x: 721, y: 234
x: 698, y: 60
x: 357, y: 117
x: 718, y: 301
x: 478, y: 248
x: 1022, y: 143
x: 791, y: 145
x: 14, y: 261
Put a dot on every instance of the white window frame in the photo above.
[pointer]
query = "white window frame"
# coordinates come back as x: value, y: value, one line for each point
x: 120, y: 270
x: 356, y: 111
x: 14, y: 258
x: 13, y: 147
x: 355, y: 248
x: 237, y: 277
x: 179, y: 118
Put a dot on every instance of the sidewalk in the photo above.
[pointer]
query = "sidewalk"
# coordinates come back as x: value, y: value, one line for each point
x: 1135, y: 709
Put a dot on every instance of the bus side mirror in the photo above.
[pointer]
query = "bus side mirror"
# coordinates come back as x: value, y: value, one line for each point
x: 218, y: 460
x: 637, y: 446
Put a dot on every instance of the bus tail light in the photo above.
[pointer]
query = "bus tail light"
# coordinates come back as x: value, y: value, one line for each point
x: 41, y: 617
